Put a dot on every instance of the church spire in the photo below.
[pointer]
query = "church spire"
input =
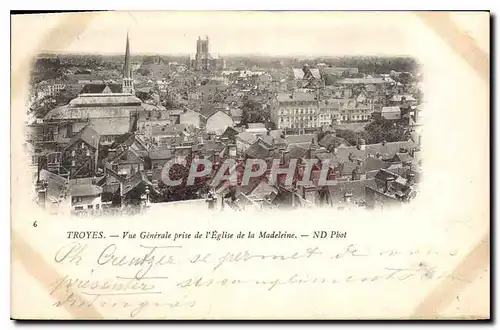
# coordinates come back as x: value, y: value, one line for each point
x: 128, y: 82
x: 126, y: 68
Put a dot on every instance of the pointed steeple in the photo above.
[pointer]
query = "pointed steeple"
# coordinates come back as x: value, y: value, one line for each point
x: 126, y: 68
x: 128, y: 82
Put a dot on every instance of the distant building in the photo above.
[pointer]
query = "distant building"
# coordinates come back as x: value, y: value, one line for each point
x: 296, y: 110
x: 398, y: 99
x: 307, y: 77
x: 329, y: 112
x: 354, y: 111
x: 203, y: 60
x: 390, y: 113
x: 48, y: 88
x: 338, y: 71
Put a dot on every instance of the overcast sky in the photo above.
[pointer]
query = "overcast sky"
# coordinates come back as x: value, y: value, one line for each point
x: 265, y: 33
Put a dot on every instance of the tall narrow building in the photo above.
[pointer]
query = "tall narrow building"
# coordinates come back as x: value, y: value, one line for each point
x: 203, y: 60
x: 128, y: 82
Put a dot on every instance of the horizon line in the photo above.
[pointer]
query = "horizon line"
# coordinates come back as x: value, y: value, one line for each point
x: 52, y: 52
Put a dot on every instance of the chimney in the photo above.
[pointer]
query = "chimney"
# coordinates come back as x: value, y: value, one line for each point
x: 284, y: 157
x: 388, y: 182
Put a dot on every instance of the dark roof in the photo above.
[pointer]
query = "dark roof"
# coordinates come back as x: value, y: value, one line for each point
x: 404, y: 157
x: 208, y: 111
x: 383, y: 175
x: 330, y: 140
x: 385, y: 151
x: 390, y: 148
x: 160, y: 154
x: 99, y: 88
x: 127, y: 156
x: 85, y: 190
x: 257, y: 151
x: 296, y: 152
x: 134, y: 181
x: 324, y: 155
x: 211, y: 145
x: 309, y: 138
x: 373, y: 164
x: 230, y: 132
x: 87, y: 135
x: 348, y: 167
x: 285, y: 198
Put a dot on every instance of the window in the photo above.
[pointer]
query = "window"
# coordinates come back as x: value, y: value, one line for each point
x: 83, y: 145
x: 78, y: 207
x: 97, y: 207
x: 73, y: 153
x: 90, y: 207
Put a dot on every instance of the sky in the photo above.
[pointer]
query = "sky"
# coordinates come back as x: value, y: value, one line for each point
x: 230, y: 33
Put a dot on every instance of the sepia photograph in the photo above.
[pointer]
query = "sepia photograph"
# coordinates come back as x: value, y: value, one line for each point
x: 250, y: 165
x: 126, y: 129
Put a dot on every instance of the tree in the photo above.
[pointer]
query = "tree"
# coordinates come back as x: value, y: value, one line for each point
x: 385, y: 130
x: 65, y: 96
x: 349, y: 135
x: 182, y: 191
x: 41, y: 107
x: 405, y: 78
x: 253, y: 113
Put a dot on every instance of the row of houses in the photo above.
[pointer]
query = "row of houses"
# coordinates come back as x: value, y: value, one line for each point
x: 131, y: 168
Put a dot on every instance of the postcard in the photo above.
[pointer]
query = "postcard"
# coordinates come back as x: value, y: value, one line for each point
x: 250, y: 165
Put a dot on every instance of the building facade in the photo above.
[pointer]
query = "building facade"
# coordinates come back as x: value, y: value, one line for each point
x: 296, y: 110
x: 203, y: 60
